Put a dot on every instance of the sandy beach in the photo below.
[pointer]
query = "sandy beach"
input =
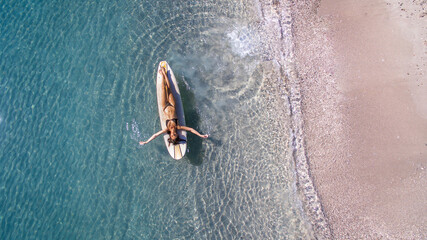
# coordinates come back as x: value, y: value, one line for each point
x: 364, y: 85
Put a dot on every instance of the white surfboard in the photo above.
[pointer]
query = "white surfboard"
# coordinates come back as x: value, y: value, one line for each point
x: 176, y: 151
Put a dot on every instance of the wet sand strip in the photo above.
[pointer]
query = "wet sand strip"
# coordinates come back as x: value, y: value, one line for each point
x: 276, y: 22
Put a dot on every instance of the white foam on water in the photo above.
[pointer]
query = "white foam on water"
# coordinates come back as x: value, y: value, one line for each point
x: 135, y: 133
x: 243, y: 41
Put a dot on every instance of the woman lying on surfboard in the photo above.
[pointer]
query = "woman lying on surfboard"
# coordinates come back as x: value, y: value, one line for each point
x: 168, y: 105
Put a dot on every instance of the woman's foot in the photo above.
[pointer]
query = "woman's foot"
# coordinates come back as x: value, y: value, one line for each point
x: 163, y: 68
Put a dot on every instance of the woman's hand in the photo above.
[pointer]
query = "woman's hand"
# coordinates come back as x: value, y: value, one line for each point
x: 154, y: 136
x: 189, y: 129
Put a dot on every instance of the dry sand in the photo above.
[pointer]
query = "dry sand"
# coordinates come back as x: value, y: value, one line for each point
x: 363, y: 66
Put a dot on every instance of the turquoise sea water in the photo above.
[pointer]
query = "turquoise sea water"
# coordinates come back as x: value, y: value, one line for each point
x: 77, y: 93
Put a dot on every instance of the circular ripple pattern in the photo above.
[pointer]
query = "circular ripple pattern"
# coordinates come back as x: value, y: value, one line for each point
x: 77, y: 93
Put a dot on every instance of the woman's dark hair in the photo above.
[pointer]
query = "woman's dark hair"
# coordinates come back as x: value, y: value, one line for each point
x: 176, y: 141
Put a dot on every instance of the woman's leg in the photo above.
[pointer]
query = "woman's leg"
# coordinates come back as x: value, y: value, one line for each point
x: 164, y: 94
x: 168, y: 90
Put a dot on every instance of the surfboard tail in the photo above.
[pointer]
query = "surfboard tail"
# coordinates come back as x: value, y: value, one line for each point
x: 178, y: 153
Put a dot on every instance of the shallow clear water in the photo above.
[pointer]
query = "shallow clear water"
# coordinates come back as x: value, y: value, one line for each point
x: 77, y: 93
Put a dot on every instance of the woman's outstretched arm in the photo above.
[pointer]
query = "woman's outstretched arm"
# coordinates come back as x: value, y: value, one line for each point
x: 154, y: 136
x: 189, y: 129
